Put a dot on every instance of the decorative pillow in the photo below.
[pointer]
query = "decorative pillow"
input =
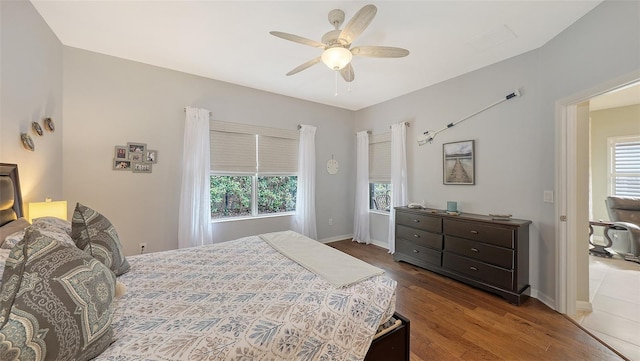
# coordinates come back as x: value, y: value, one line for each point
x: 12, y: 227
x: 93, y: 233
x: 45, y: 228
x: 51, y: 223
x: 55, y: 302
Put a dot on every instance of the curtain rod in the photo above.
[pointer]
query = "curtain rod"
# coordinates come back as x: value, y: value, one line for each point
x: 405, y: 123
x: 210, y: 114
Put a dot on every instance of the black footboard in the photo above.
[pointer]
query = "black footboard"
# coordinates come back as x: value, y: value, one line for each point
x: 392, y: 346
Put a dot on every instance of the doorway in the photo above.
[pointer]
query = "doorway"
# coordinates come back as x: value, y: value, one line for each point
x: 573, y: 208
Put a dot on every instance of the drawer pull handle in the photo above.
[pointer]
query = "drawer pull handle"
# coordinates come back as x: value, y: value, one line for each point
x: 416, y: 221
x: 416, y: 236
x: 416, y: 251
x: 474, y: 250
x: 474, y: 232
x: 473, y: 268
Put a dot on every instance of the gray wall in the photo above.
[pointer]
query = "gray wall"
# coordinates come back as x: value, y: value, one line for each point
x: 515, y: 141
x: 31, y: 90
x: 110, y: 101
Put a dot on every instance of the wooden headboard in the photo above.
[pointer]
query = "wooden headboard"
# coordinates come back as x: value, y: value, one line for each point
x: 10, y: 194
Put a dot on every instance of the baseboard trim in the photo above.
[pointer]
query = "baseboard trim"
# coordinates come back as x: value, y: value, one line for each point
x: 584, y: 306
x: 336, y: 238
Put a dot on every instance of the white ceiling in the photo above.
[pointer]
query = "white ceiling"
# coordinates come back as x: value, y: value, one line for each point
x: 230, y: 40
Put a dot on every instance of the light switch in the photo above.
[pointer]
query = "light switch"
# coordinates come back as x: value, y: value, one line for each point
x: 548, y: 197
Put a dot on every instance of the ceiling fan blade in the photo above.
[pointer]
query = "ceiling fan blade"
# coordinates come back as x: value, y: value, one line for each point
x: 305, y: 65
x: 297, y: 39
x: 358, y: 23
x: 347, y: 73
x: 379, y: 51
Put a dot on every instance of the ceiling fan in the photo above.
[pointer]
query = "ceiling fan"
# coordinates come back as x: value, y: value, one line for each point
x: 336, y: 44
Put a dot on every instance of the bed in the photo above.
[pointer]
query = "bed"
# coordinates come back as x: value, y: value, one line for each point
x: 247, y: 299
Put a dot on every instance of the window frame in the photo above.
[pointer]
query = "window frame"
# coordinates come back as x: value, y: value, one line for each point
x: 612, y: 142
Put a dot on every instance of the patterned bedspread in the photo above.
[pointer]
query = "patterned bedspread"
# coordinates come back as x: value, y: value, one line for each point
x: 242, y: 300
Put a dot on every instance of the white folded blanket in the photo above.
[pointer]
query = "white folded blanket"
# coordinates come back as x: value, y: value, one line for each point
x: 334, y: 266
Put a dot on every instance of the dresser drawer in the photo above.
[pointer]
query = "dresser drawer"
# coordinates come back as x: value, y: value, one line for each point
x: 423, y: 222
x: 498, y: 256
x: 421, y: 238
x: 418, y: 252
x: 498, y: 236
x: 493, y: 275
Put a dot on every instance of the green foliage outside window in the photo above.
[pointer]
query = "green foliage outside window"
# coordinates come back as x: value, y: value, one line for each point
x: 277, y: 194
x: 231, y: 196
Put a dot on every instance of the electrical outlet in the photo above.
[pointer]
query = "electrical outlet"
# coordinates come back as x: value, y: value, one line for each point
x: 142, y: 247
x: 547, y: 196
x: 331, y: 221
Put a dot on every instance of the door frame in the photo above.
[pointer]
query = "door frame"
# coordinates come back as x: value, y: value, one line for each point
x: 566, y: 175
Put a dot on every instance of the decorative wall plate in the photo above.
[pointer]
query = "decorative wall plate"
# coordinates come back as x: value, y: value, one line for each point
x: 27, y: 142
x: 332, y: 166
x: 48, y: 123
x: 37, y: 128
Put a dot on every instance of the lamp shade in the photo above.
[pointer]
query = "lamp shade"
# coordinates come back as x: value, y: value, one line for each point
x: 47, y: 209
x: 336, y: 58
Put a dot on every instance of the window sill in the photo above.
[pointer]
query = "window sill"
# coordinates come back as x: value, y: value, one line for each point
x: 248, y: 218
x: 374, y: 211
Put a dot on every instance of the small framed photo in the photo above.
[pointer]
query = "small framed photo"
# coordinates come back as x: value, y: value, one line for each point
x: 151, y: 156
x: 121, y: 152
x: 140, y: 167
x: 136, y: 148
x: 458, y: 161
x: 136, y: 157
x: 121, y: 164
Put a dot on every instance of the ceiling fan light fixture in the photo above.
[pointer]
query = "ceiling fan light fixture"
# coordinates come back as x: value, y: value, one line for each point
x: 336, y: 58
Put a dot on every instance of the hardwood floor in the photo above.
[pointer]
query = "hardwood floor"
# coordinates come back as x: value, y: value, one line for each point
x: 453, y: 321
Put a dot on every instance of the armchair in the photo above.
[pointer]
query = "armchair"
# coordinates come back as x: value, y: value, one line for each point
x: 624, y: 212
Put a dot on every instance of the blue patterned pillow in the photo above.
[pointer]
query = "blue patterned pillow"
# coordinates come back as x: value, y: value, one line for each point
x: 92, y: 232
x: 55, y: 302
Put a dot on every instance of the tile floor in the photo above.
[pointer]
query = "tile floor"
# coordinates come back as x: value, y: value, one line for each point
x: 614, y: 292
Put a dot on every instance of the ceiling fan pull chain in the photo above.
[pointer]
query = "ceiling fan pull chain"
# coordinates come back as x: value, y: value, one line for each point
x: 336, y: 93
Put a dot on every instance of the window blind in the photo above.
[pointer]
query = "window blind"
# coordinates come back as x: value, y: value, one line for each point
x: 625, y: 170
x: 277, y: 155
x: 243, y: 148
x: 380, y: 158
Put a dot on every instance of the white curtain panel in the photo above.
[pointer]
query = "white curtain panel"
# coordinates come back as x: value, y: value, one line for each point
x: 361, y: 216
x: 398, y: 177
x: 306, y: 194
x: 194, y: 219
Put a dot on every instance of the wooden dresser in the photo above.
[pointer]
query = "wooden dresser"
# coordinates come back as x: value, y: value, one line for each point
x: 488, y: 254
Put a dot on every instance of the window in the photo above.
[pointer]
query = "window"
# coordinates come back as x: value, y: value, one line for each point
x: 253, y: 170
x: 277, y: 194
x: 380, y: 172
x: 380, y: 196
x: 624, y: 166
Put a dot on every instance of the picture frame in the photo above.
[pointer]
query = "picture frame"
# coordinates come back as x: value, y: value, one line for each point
x: 136, y: 157
x: 136, y: 148
x: 150, y: 156
x: 121, y: 164
x: 141, y: 167
x: 121, y: 152
x: 458, y: 163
